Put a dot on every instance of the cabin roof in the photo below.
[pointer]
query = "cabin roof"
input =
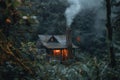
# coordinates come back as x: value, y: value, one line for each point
x: 60, y: 44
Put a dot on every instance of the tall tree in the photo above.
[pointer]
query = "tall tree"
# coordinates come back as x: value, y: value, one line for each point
x: 110, y: 34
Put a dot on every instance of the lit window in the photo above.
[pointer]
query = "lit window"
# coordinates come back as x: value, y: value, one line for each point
x: 56, y: 52
x: 65, y: 53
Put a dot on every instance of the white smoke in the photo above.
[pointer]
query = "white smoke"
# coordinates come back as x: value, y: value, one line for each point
x: 72, y: 11
x: 76, y: 6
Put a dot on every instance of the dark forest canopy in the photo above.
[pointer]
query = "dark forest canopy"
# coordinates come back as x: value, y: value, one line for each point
x: 47, y: 17
x: 21, y: 21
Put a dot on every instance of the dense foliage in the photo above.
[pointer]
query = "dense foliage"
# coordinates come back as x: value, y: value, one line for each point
x: 22, y: 20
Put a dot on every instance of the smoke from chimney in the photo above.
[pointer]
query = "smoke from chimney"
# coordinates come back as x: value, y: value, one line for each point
x: 75, y: 6
x: 72, y: 11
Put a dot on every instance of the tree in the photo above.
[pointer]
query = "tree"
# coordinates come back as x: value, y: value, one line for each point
x: 9, y: 17
x: 110, y: 34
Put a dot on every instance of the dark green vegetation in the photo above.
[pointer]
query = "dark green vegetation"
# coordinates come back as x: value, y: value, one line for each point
x: 18, y: 53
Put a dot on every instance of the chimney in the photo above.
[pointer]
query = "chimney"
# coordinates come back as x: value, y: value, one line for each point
x: 69, y: 41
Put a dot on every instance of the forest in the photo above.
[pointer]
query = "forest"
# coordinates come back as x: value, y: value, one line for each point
x: 89, y: 28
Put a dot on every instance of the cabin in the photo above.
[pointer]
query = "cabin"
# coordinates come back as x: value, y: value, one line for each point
x: 55, y: 46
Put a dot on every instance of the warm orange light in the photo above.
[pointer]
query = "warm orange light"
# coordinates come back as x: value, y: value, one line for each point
x: 78, y: 38
x: 56, y: 52
x: 65, y: 53
x: 8, y: 20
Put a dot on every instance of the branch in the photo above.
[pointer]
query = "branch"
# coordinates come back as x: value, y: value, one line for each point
x: 5, y: 46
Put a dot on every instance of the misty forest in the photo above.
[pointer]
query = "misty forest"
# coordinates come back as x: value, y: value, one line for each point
x: 59, y: 39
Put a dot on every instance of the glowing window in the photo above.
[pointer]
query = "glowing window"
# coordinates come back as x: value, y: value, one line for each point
x: 65, y: 53
x: 56, y: 52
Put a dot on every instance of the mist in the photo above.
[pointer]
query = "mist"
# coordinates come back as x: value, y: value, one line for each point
x: 76, y: 6
x: 72, y: 11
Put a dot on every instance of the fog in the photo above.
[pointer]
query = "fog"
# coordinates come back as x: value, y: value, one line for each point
x: 76, y: 6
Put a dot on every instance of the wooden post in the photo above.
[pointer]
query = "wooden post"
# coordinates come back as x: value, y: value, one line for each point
x: 60, y: 55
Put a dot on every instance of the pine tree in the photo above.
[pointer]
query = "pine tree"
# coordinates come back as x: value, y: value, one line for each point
x: 110, y: 34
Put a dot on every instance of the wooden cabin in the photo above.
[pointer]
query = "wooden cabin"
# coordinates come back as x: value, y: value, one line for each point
x: 55, y: 46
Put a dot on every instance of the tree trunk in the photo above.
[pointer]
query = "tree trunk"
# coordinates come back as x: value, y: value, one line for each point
x: 110, y: 34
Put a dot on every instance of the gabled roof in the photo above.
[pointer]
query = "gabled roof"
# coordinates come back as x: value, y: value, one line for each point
x: 53, y: 39
x: 60, y: 44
